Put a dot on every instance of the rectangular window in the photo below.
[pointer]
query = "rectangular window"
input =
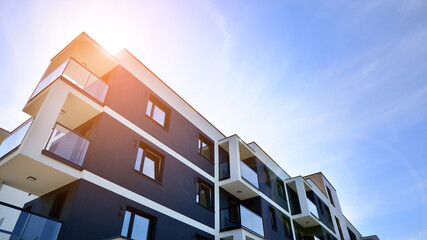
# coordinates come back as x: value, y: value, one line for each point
x: 205, y: 148
x: 204, y: 195
x: 267, y: 177
x: 352, y: 235
x: 273, y: 218
x: 281, y: 188
x: 287, y: 227
x: 158, y: 112
x: 330, y: 196
x: 136, y: 225
x: 148, y: 162
x: 339, y: 228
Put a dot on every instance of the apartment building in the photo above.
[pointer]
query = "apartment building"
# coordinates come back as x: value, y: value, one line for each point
x: 113, y: 153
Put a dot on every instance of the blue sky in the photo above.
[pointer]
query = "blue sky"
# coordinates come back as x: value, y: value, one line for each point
x: 332, y: 86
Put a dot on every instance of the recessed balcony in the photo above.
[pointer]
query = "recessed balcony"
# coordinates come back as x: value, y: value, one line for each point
x: 66, y: 146
x: 241, y: 217
x: 237, y: 168
x: 18, y: 223
x: 35, y: 167
x: 85, y: 88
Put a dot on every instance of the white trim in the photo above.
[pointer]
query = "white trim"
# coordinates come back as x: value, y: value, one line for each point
x: 144, y: 201
x: 155, y: 141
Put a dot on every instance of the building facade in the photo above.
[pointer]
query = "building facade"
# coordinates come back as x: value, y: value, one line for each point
x: 113, y: 153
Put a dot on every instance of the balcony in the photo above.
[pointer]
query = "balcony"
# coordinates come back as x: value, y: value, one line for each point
x: 241, y: 217
x: 78, y: 76
x: 237, y: 168
x: 17, y: 223
x: 64, y: 144
x: 29, y: 164
x: 13, y: 141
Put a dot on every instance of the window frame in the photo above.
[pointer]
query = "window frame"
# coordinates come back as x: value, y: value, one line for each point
x: 287, y: 227
x: 203, y: 139
x: 210, y: 197
x: 267, y: 177
x: 331, y: 199
x: 273, y: 220
x: 133, y: 212
x: 158, y: 163
x: 155, y: 102
x: 281, y: 186
x: 339, y: 228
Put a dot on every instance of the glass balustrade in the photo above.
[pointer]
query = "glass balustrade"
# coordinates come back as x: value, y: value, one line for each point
x: 241, y: 217
x: 251, y: 221
x: 15, y: 138
x: 248, y: 174
x: 78, y: 75
x: 67, y: 144
x: 17, y: 223
x: 312, y: 208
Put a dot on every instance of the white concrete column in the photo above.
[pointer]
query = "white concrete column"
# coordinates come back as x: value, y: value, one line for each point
x: 233, y: 150
x: 302, y: 197
x: 216, y: 192
x: 41, y: 128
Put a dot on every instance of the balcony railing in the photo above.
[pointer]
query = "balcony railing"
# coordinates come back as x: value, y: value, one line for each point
x: 17, y: 223
x: 78, y: 75
x: 248, y: 174
x: 67, y: 144
x: 241, y: 217
x: 312, y: 208
x: 14, y: 139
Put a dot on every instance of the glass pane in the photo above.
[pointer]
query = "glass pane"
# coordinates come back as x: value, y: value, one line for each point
x: 67, y: 145
x: 139, y: 159
x: 41, y: 228
x: 312, y: 208
x: 248, y: 174
x: 251, y: 220
x: 17, y: 224
x: 205, y: 150
x: 149, y: 106
x: 140, y: 228
x: 96, y: 88
x: 126, y: 221
x: 149, y: 168
x: 204, y: 196
x: 50, y: 78
x: 159, y: 115
x: 14, y: 139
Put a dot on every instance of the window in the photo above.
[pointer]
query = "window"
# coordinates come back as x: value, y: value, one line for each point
x: 136, y: 226
x: 267, y: 177
x: 352, y: 235
x: 273, y: 218
x: 204, y: 194
x: 148, y: 162
x: 205, y: 148
x: 330, y: 196
x: 328, y: 214
x: 281, y: 188
x: 339, y: 228
x: 287, y: 227
x: 158, y: 112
